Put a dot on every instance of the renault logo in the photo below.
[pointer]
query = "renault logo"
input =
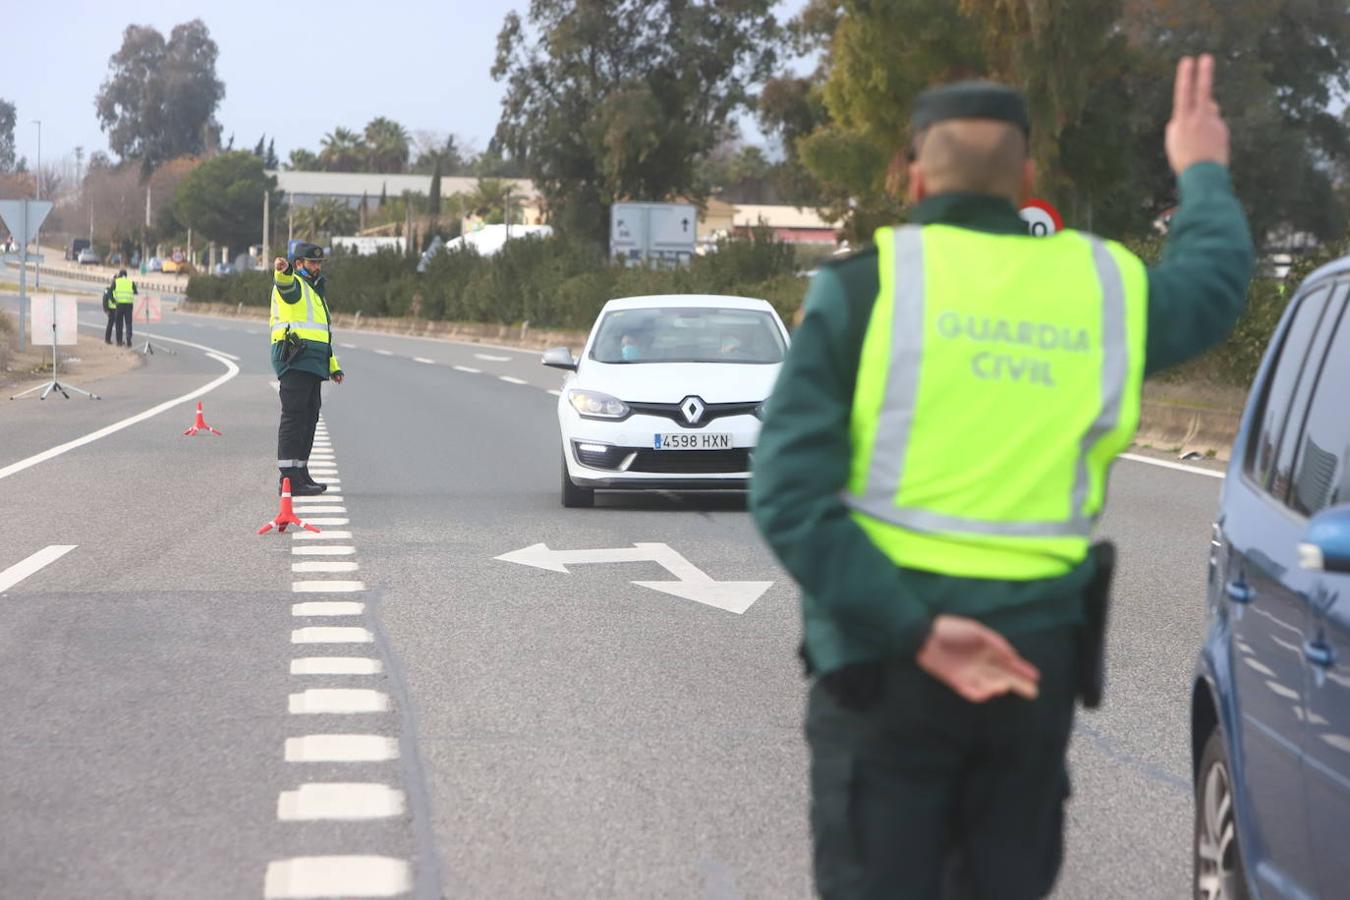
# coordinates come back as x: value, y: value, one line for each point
x: 692, y: 407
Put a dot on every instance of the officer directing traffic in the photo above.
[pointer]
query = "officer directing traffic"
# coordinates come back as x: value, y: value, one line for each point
x: 932, y: 462
x: 302, y: 357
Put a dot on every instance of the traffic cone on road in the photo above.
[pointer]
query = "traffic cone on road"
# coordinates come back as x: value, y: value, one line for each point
x: 199, y: 424
x: 286, y: 515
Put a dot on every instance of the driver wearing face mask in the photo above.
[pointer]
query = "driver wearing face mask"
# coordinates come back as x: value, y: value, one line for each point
x: 629, y: 350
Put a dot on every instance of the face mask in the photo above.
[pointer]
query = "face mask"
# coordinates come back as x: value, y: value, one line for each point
x: 629, y: 352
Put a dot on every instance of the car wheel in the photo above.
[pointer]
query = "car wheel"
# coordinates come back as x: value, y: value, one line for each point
x: 574, y: 497
x: 1217, y: 860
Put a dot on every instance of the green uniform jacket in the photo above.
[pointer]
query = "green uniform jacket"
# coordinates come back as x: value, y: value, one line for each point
x: 857, y: 605
x: 314, y: 358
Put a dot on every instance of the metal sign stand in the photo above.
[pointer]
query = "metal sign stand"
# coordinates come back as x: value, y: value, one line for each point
x: 149, y: 349
x: 55, y: 384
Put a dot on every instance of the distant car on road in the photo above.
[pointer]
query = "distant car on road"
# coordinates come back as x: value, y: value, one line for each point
x: 74, y: 249
x: 154, y: 264
x: 1270, y: 707
x: 87, y: 257
x: 222, y: 269
x: 667, y: 394
x: 169, y: 266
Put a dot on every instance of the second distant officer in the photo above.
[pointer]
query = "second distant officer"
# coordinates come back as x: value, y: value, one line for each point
x: 110, y: 307
x: 124, y: 297
x: 302, y: 357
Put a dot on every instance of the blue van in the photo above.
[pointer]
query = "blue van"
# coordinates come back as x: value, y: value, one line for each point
x: 1270, y: 708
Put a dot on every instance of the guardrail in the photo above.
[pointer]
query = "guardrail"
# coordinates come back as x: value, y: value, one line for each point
x: 143, y: 283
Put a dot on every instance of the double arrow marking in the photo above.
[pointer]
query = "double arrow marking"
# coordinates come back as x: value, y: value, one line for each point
x: 693, y: 584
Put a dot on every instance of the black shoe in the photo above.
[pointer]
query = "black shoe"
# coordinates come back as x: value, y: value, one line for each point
x: 299, y: 486
x: 309, y: 480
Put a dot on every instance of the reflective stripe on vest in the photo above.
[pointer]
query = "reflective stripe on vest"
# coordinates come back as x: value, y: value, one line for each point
x: 1005, y: 358
x: 122, y: 290
x: 313, y: 327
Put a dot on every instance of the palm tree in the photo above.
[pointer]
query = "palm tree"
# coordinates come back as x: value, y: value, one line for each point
x: 491, y: 199
x: 343, y: 150
x: 326, y: 217
x: 386, y: 145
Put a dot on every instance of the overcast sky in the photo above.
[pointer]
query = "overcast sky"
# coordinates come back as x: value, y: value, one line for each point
x: 424, y: 64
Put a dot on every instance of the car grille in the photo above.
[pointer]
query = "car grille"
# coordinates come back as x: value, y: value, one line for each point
x: 711, y: 411
x: 692, y: 462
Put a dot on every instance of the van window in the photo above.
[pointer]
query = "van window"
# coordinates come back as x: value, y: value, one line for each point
x: 1280, y: 388
x: 1321, y: 475
x: 1292, y: 436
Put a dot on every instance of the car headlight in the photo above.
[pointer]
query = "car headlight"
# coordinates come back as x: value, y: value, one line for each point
x: 594, y: 405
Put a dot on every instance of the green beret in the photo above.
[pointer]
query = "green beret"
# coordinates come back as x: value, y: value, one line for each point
x: 970, y: 100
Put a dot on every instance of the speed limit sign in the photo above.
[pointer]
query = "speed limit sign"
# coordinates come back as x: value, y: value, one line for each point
x: 1042, y: 219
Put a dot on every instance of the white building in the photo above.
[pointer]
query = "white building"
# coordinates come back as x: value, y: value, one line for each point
x: 303, y: 188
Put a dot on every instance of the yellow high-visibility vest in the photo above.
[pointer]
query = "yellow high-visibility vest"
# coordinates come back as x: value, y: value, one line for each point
x: 123, y: 291
x: 1000, y: 375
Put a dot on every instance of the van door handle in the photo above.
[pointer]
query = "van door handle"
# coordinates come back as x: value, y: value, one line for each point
x: 1318, y: 653
x: 1238, y: 592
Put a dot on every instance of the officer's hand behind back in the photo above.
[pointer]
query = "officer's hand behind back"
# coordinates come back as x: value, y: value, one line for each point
x: 1196, y: 132
x: 975, y: 661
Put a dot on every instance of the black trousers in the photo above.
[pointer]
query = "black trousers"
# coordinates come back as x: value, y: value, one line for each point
x: 107, y: 334
x: 124, y: 318
x: 300, y: 401
x: 923, y: 795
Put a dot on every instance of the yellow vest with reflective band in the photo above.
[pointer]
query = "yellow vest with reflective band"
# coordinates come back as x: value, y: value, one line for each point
x: 122, y: 292
x: 1000, y: 375
x: 307, y: 317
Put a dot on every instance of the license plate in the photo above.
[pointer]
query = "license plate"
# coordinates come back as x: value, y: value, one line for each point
x: 691, y: 441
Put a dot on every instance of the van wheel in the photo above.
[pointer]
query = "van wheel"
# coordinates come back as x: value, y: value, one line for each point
x: 1217, y: 859
x: 574, y: 497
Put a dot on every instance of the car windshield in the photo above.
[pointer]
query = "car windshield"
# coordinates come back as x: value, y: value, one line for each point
x: 688, y: 334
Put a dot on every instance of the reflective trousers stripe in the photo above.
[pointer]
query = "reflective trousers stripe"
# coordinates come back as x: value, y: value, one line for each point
x: 895, y: 420
x: 292, y: 463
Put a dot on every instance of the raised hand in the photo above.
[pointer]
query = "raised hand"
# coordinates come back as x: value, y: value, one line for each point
x: 1196, y: 131
x: 975, y: 661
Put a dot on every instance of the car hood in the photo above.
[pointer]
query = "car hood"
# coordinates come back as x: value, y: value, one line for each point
x: 672, y: 382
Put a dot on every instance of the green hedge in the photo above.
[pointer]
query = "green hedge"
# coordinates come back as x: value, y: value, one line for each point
x: 549, y: 282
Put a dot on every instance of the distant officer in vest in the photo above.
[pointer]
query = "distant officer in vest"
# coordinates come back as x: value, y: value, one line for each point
x: 302, y: 357
x: 932, y: 461
x: 124, y: 298
x: 110, y: 307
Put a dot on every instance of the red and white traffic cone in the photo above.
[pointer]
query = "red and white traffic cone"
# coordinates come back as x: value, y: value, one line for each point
x: 199, y: 424
x: 286, y: 516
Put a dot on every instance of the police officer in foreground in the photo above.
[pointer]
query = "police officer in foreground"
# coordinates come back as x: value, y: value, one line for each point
x: 931, y: 464
x: 124, y: 299
x: 302, y: 357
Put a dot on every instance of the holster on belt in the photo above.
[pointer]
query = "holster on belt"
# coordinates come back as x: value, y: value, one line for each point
x: 295, y: 345
x: 1092, y: 636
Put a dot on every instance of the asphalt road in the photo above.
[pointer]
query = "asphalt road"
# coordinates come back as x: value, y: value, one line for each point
x: 528, y: 733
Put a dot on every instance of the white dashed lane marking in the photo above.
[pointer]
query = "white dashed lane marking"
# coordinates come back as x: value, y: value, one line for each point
x: 328, y: 608
x: 509, y: 380
x: 38, y: 561
x: 342, y: 566
x: 329, y: 520
x: 338, y: 701
x: 322, y: 550
x: 322, y: 536
x: 346, y: 346
x: 424, y: 360
x: 340, y: 800
x: 337, y: 876
x: 327, y: 587
x: 321, y: 498
x: 321, y: 510
x: 490, y: 358
x: 341, y: 748
x: 336, y: 665
x: 384, y: 352
x: 467, y: 369
x: 327, y: 634
x: 556, y: 393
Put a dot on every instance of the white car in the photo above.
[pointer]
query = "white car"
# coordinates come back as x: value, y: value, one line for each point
x: 667, y: 394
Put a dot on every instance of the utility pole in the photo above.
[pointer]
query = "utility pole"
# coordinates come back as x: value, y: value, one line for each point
x: 267, y: 215
x: 37, y: 271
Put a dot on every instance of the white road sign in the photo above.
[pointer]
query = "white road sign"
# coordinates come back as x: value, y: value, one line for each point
x: 23, y: 218
x: 692, y: 582
x: 641, y: 231
x: 58, y: 310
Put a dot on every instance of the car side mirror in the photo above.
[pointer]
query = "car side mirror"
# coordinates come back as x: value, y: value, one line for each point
x: 559, y: 358
x: 1326, y: 543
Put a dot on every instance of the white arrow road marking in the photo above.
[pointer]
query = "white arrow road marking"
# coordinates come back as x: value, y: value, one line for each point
x: 693, y: 584
x: 21, y: 570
